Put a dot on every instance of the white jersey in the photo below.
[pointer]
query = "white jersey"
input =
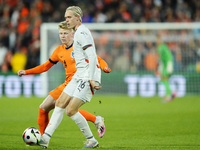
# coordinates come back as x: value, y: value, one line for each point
x: 85, y: 55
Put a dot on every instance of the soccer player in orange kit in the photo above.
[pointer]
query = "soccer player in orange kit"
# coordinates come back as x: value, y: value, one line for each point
x: 64, y: 54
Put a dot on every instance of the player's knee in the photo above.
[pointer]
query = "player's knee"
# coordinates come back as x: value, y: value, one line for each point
x: 70, y: 112
x: 42, y: 106
x: 63, y: 100
x: 59, y: 104
x: 47, y: 107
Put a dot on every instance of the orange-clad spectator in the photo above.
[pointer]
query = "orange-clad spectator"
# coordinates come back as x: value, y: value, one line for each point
x: 24, y: 12
x: 34, y: 12
x: 23, y: 22
x: 23, y: 26
x: 40, y: 5
x: 12, y: 3
x: 123, y: 9
x: 103, y: 40
x: 150, y: 60
x: 37, y: 22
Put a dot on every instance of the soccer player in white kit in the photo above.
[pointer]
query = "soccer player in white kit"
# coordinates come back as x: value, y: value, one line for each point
x: 83, y: 84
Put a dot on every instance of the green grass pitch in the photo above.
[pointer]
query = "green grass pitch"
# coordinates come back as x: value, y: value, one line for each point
x: 131, y: 124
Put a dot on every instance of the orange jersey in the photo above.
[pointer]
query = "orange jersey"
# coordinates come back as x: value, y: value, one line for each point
x: 65, y: 56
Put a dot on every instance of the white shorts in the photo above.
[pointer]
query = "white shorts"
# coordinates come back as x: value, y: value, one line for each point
x: 80, y: 89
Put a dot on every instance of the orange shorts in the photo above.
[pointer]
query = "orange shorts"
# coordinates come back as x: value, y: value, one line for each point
x: 57, y: 92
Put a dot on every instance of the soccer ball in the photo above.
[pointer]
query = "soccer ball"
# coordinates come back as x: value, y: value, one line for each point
x: 31, y: 136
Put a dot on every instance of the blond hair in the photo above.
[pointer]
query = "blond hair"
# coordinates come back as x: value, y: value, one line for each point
x: 63, y: 25
x: 76, y: 11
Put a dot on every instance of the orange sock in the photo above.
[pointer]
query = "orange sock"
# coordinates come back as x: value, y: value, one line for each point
x: 43, y: 120
x: 88, y: 116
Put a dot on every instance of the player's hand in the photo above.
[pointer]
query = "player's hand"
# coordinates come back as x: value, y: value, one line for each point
x: 21, y: 72
x: 106, y: 69
x: 93, y: 84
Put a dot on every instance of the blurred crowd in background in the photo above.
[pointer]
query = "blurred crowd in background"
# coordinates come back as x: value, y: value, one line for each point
x: 20, y: 22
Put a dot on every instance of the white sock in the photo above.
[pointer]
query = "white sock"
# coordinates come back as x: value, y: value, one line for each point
x: 54, y: 122
x: 97, y: 119
x: 83, y: 125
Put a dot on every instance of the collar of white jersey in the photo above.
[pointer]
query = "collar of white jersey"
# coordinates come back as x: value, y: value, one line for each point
x: 78, y: 27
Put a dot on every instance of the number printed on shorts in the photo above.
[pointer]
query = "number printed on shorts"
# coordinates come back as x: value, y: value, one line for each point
x: 81, y: 85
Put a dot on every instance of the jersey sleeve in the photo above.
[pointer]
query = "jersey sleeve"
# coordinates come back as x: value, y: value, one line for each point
x: 54, y: 57
x: 92, y: 61
x: 85, y: 39
x: 47, y: 65
x: 40, y: 69
x: 102, y: 63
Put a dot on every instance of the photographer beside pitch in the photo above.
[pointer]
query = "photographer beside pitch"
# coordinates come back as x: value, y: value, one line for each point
x: 83, y: 85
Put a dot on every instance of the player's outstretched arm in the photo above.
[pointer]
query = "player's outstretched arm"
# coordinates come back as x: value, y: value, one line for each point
x: 37, y: 70
x: 103, y: 65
